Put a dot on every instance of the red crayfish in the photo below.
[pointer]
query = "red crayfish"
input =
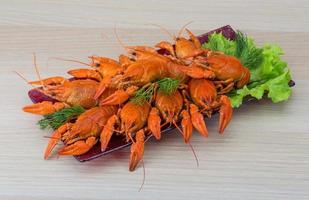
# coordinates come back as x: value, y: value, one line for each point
x: 142, y: 93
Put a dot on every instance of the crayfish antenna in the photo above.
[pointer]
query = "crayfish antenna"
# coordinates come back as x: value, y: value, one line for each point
x: 183, y: 28
x: 119, y: 40
x: 68, y: 60
x: 37, y: 71
x: 164, y: 30
x: 104, y: 36
x: 23, y: 77
x: 144, y: 176
x: 189, y: 143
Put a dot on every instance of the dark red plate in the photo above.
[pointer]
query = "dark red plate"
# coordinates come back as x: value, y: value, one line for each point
x: 118, y: 142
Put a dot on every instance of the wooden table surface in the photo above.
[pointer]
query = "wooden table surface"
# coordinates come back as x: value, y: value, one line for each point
x: 264, y: 153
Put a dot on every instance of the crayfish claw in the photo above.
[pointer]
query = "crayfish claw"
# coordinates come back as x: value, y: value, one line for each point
x: 137, y: 150
x: 194, y: 39
x: 56, y: 80
x: 79, y: 147
x: 55, y: 137
x: 154, y: 122
x: 85, y: 73
x: 44, y: 108
x: 186, y: 125
x: 226, y: 112
x: 167, y: 46
x: 133, y: 160
x: 119, y: 97
x: 107, y: 132
x: 194, y: 71
x: 198, y: 120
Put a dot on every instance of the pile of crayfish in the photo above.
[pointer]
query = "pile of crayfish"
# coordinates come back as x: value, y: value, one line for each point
x: 149, y: 88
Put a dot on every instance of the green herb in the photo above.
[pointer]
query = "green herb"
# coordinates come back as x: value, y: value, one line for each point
x: 143, y: 94
x: 168, y: 85
x: 217, y: 42
x: 277, y: 88
x: 249, y: 55
x: 165, y: 85
x: 57, y: 119
x: 268, y: 72
x: 241, y: 44
x: 243, y: 48
x: 272, y: 75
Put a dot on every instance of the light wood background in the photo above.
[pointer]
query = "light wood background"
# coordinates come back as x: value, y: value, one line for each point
x: 264, y: 153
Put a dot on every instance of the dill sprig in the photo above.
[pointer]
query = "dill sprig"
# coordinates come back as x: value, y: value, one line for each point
x: 242, y: 47
x: 165, y: 85
x: 143, y: 94
x: 249, y: 55
x: 168, y: 85
x: 57, y: 119
x: 241, y: 43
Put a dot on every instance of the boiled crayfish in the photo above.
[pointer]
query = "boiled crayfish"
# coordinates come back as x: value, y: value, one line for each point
x: 141, y: 93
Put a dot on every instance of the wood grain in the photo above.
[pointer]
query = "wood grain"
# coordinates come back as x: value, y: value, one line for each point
x: 264, y: 153
x: 274, y: 15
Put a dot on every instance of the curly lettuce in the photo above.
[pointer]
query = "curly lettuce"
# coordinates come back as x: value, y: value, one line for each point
x: 269, y: 74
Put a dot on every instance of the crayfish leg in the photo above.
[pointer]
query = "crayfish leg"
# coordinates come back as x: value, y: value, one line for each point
x: 79, y: 147
x: 55, y: 137
x: 226, y: 112
x: 245, y: 78
x: 137, y: 150
x: 227, y: 88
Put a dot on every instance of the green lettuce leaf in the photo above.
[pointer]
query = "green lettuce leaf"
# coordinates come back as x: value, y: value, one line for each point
x: 269, y: 74
x: 272, y: 65
x: 277, y: 88
x: 217, y: 42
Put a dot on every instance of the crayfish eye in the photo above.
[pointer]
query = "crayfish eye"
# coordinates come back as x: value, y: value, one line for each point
x: 97, y: 65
